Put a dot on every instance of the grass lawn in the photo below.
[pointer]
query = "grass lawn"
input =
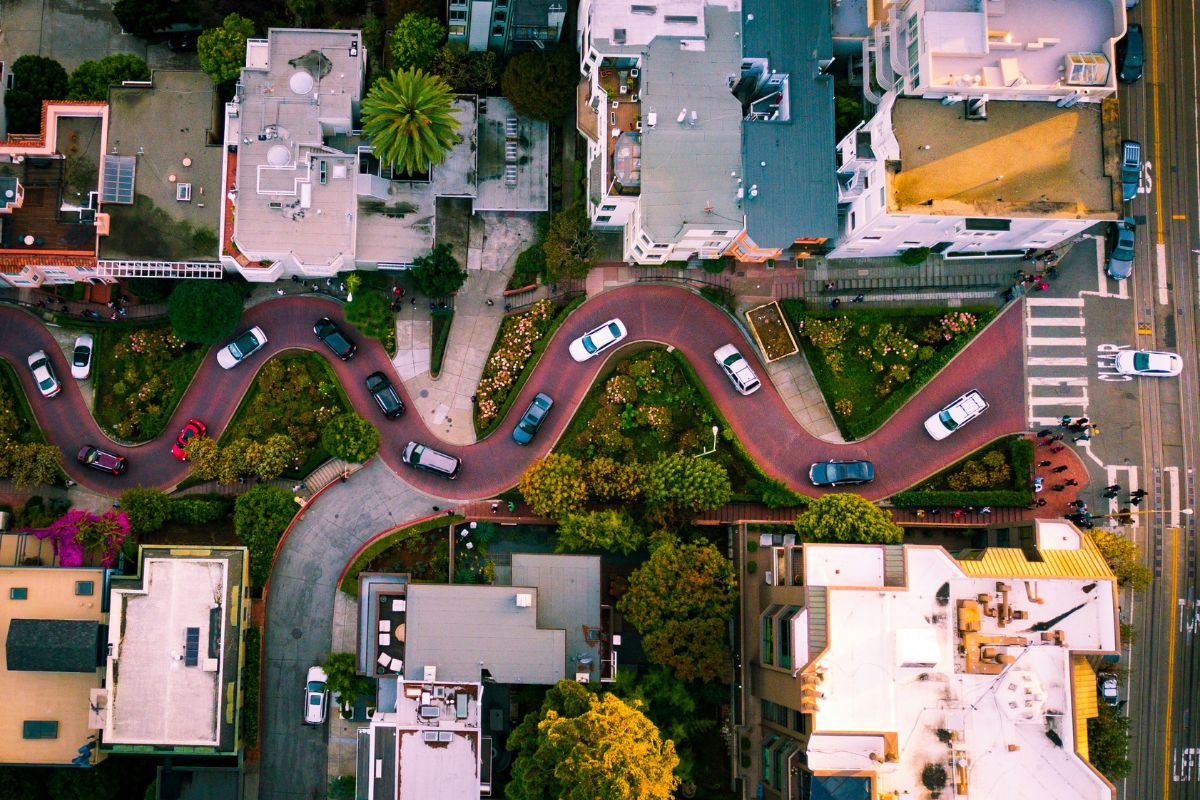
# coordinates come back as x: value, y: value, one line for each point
x: 16, y: 416
x: 294, y: 394
x: 140, y: 374
x: 868, y: 362
x: 371, y: 313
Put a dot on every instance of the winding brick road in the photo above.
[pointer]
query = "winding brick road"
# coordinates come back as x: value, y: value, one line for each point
x: 903, y: 453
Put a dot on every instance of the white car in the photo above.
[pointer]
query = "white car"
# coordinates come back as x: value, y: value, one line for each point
x: 597, y: 340
x: 955, y: 415
x: 316, y: 696
x: 738, y: 369
x: 81, y: 358
x: 1148, y: 362
x: 43, y: 373
x: 240, y: 348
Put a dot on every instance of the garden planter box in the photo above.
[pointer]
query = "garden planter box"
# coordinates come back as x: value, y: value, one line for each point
x: 770, y: 330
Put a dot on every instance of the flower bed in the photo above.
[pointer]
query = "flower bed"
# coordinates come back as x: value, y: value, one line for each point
x: 519, y: 343
x: 869, y: 362
x: 996, y: 475
x: 140, y: 376
x: 771, y: 331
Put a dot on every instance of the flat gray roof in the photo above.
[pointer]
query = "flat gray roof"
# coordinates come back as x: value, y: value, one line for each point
x: 568, y: 599
x: 687, y: 168
x: 460, y: 629
x: 531, y: 189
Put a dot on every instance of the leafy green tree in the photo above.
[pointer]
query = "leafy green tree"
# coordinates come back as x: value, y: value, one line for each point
x: 777, y: 494
x: 31, y: 464
x: 203, y: 457
x: 275, y: 455
x: 200, y: 510
x: 570, y: 246
x: 677, y: 485
x: 467, y: 71
x: 1108, y: 743
x: 222, y: 51
x: 410, y: 120
x: 372, y: 33
x: 303, y: 11
x: 236, y: 459
x: 845, y: 517
x: 35, y: 78
x: 554, y: 486
x: 350, y: 438
x: 611, y: 530
x: 847, y: 108
x: 341, y: 677
x: 204, y: 311
x: 91, y: 79
x: 148, y: 509
x: 680, y: 601
x: 1124, y: 559
x: 672, y: 705
x: 260, y: 516
x: 145, y: 18
x: 541, y: 84
x: 582, y: 747
x: 438, y: 273
x: 416, y: 40
x: 609, y: 479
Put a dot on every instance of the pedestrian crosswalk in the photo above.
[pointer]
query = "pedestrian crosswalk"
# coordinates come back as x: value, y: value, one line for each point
x: 1056, y: 360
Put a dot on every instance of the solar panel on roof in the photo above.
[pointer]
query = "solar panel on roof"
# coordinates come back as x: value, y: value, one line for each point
x: 119, y: 174
x: 191, y: 654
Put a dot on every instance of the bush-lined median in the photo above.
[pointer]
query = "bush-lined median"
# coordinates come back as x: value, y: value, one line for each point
x: 996, y: 475
x: 349, y: 581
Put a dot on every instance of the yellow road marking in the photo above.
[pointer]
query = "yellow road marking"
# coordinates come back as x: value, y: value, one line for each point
x: 1178, y: 216
x: 1150, y: 37
x: 1170, y: 664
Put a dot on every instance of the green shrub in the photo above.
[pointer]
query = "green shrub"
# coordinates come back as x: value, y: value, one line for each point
x: 371, y: 312
x: 140, y: 375
x: 250, y: 683
x: 204, y: 311
x: 148, y: 509
x: 776, y: 494
x: 198, y: 510
x: 350, y: 438
x: 719, y: 296
x: 914, y: 256
x: 442, y: 318
x: 260, y: 517
x: 530, y: 265
x: 349, y: 582
x: 751, y: 567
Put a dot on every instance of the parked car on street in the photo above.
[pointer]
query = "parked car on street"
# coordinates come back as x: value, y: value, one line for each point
x: 738, y: 369
x: 316, y: 696
x: 385, y: 395
x: 335, y: 339
x: 194, y: 427
x: 841, y: 473
x: 95, y: 458
x: 426, y: 458
x: 1148, y: 362
x: 1109, y: 690
x: 1131, y: 169
x: 81, y: 358
x: 597, y: 340
x: 954, y: 416
x: 532, y: 419
x: 1121, y: 240
x: 1131, y: 55
x: 43, y: 374
x: 241, y: 348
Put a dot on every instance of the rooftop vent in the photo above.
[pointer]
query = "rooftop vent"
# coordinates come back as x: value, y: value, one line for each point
x: 300, y: 83
x: 643, y: 9
x: 683, y: 19
x: 524, y: 600
x: 619, y: 35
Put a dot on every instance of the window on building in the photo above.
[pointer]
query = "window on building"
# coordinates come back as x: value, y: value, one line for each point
x: 797, y: 722
x: 608, y: 208
x: 767, y: 747
x: 458, y: 30
x: 84, y: 588
x: 720, y: 233
x: 785, y: 636
x: 767, y: 632
x: 853, y: 220
x: 603, y: 219
x: 499, y: 16
x: 872, y: 238
x: 714, y: 244
x: 40, y: 729
x: 18, y: 593
x: 637, y: 250
x: 458, y: 15
x: 497, y: 30
x: 986, y: 224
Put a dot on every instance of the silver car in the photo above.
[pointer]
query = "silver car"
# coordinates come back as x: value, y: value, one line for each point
x: 738, y: 369
x: 241, y: 348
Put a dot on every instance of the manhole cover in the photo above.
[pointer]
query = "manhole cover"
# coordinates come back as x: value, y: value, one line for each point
x: 424, y: 393
x: 297, y: 633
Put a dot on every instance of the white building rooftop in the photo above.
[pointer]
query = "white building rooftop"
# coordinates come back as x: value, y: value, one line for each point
x: 637, y: 24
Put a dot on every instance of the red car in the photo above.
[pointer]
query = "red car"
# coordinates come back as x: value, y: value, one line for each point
x: 194, y: 427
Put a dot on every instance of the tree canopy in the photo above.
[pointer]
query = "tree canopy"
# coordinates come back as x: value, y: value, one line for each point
x: 146, y: 18
x: 148, y: 509
x: 222, y: 50
x: 582, y: 747
x: 845, y: 517
x: 677, y: 485
x: 680, y: 601
x: 1108, y: 742
x: 554, y: 486
x: 35, y: 78
x: 438, y: 273
x: 570, y: 246
x: 467, y: 71
x: 541, y: 84
x: 410, y: 120
x: 350, y: 437
x: 416, y: 41
x: 611, y: 530
x: 91, y: 79
x: 260, y: 516
x: 1124, y: 559
x: 204, y: 311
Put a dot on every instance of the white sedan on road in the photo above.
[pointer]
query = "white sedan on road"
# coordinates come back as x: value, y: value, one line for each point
x: 955, y: 415
x: 1148, y: 362
x: 597, y: 340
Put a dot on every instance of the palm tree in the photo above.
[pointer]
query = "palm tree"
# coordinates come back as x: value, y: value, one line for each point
x: 410, y: 119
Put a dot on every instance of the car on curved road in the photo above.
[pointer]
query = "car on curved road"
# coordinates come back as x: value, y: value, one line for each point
x: 735, y: 365
x: 316, y: 696
x: 241, y: 348
x: 194, y: 427
x: 95, y: 458
x: 81, y: 358
x: 841, y: 473
x: 335, y: 339
x: 532, y: 419
x: 1148, y: 362
x: 43, y: 374
x: 385, y: 395
x: 420, y: 456
x: 954, y: 416
x: 598, y: 340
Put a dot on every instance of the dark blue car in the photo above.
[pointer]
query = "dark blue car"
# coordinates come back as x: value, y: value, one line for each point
x: 841, y: 473
x: 532, y: 419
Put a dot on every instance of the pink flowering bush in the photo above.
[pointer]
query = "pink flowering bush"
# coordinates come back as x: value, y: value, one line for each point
x: 514, y: 347
x: 956, y: 323
x: 140, y: 380
x: 81, y: 537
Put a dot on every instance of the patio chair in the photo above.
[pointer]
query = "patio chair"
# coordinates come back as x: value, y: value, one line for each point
x: 397, y: 665
x: 385, y: 626
x: 385, y: 639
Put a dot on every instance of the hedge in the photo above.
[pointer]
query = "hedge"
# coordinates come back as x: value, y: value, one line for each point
x: 538, y: 348
x: 1020, y: 451
x: 349, y: 582
x: 250, y: 675
x: 442, y: 318
x: 200, y: 510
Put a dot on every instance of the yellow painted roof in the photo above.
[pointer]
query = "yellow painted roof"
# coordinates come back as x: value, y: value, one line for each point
x: 1083, y: 690
x: 1010, y: 562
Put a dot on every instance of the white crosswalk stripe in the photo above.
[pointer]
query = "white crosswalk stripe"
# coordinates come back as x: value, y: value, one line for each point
x: 1056, y: 360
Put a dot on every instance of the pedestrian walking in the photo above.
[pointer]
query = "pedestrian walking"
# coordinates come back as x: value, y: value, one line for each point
x: 1082, y: 421
x: 1058, y: 448
x: 829, y: 286
x: 1041, y: 501
x: 1058, y: 437
x: 985, y: 510
x: 1060, y: 468
x: 1116, y: 487
x: 1109, y: 495
x: 69, y: 483
x: 859, y: 298
x: 1045, y: 463
x: 495, y: 506
x: 1083, y: 437
x: 1072, y: 482
x: 1139, y: 493
x: 958, y: 512
x: 1077, y: 504
x: 933, y: 512
x: 1064, y: 421
x: 1135, y: 501
x: 920, y: 513
x: 1058, y: 487
x: 1095, y: 430
x: 437, y: 509
x: 834, y: 303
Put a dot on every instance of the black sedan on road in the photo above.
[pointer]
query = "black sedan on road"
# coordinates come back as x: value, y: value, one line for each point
x: 841, y: 473
x: 386, y: 396
x: 337, y: 341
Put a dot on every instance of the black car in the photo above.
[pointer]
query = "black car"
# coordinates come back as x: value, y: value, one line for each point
x: 841, y: 473
x: 532, y: 419
x: 102, y: 460
x: 329, y: 333
x: 1131, y: 55
x: 386, y: 396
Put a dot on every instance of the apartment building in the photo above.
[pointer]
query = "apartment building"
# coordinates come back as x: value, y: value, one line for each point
x: 1021, y: 175
x: 875, y: 669
x: 506, y: 26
